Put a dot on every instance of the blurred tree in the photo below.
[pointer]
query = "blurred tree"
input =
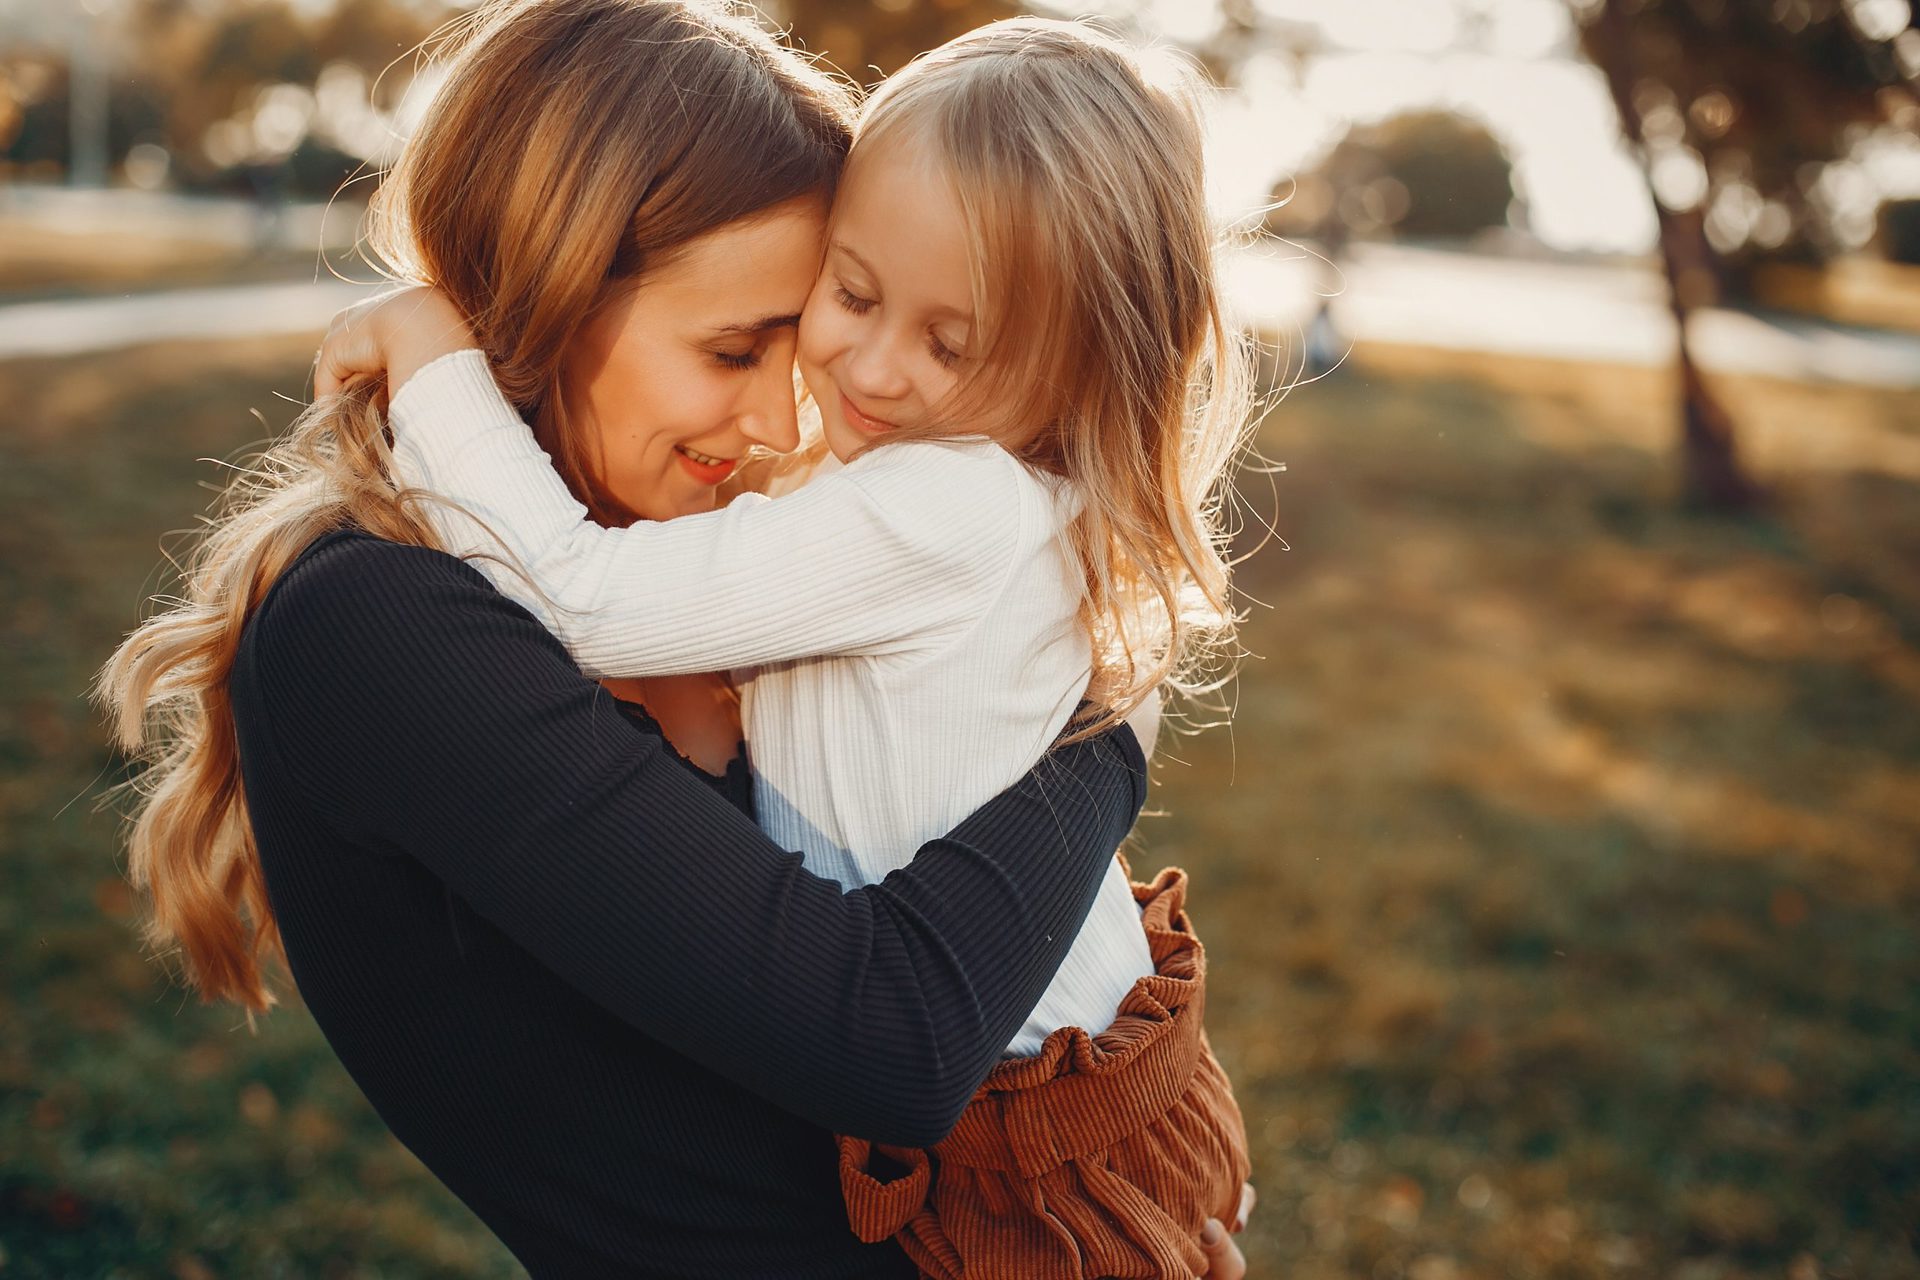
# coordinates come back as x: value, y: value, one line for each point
x: 1899, y: 231
x: 193, y: 76
x: 36, y: 117
x: 209, y: 61
x: 1735, y: 109
x: 1425, y: 173
x: 371, y: 34
x: 870, y: 39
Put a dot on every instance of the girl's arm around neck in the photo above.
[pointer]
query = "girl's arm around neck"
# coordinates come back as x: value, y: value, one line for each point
x: 895, y: 554
x: 876, y: 1012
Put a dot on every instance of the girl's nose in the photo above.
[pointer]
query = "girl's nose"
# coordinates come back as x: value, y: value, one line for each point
x: 873, y: 372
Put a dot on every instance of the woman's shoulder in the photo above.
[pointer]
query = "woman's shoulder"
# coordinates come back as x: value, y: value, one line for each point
x: 347, y: 589
x: 350, y: 552
x: 352, y: 565
x: 361, y: 634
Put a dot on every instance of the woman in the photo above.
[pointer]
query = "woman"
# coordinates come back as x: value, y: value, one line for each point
x: 498, y: 889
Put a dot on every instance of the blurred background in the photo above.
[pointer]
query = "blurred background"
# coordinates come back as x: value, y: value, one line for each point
x: 1560, y: 864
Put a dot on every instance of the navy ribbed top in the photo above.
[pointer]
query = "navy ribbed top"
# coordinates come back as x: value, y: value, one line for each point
x: 584, y: 989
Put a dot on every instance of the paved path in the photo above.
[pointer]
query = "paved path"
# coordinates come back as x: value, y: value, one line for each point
x: 71, y: 327
x: 1614, y: 314
x: 1578, y: 311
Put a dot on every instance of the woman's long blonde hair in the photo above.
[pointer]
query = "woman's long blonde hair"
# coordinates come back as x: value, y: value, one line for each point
x: 1107, y: 357
x: 559, y: 162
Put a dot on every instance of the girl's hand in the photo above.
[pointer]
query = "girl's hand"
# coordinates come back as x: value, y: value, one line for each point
x: 394, y: 334
x: 1224, y: 1259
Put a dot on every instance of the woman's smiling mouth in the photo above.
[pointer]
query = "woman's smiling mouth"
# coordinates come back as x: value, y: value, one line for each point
x: 703, y: 467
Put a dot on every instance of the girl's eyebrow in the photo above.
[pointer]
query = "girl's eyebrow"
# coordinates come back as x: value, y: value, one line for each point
x: 847, y: 249
x: 763, y: 324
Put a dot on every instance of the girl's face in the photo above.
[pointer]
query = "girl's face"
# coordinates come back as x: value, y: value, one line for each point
x: 887, y: 330
x: 677, y: 377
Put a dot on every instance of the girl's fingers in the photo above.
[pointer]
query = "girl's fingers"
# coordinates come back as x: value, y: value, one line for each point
x: 323, y: 382
x: 1224, y: 1259
x: 342, y: 355
x: 352, y: 345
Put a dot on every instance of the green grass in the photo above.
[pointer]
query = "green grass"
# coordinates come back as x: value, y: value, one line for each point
x: 1558, y: 871
x: 1563, y: 902
x: 145, y: 1134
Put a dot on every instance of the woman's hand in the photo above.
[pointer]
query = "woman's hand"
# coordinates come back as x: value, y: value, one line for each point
x: 1224, y: 1259
x: 394, y: 334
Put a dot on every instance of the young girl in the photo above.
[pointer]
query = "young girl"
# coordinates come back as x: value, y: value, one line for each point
x: 1030, y: 398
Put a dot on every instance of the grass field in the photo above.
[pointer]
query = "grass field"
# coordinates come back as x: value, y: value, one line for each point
x: 1559, y: 868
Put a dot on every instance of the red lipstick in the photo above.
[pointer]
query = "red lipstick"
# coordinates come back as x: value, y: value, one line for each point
x: 707, y: 473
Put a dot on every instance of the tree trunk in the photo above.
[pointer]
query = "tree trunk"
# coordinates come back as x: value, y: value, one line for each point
x: 1710, y: 461
x: 1710, y: 464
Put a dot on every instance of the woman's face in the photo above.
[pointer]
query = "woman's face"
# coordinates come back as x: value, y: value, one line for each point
x: 675, y: 378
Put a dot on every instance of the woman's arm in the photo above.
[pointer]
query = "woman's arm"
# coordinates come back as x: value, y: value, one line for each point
x: 423, y: 712
x: 892, y: 554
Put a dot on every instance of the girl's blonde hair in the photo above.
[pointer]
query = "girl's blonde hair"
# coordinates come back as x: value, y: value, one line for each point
x: 1105, y: 354
x: 558, y: 163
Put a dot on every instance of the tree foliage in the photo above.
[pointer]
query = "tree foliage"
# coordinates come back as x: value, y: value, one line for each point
x: 181, y: 68
x: 1757, y: 97
x: 871, y: 39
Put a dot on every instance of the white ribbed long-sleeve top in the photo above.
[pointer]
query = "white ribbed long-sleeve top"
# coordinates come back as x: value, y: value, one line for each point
x: 911, y: 619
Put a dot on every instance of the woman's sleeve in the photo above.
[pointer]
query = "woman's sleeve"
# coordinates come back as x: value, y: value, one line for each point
x: 896, y: 553
x: 420, y: 711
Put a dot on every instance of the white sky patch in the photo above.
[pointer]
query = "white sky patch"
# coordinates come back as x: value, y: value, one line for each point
x: 1529, y: 28
x: 1583, y: 189
x: 1407, y: 26
x: 1187, y: 21
x: 1520, y: 79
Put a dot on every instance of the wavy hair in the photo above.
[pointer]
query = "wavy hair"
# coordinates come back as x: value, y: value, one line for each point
x: 557, y: 162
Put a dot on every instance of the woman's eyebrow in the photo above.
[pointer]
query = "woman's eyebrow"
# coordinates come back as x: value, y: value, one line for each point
x: 763, y: 324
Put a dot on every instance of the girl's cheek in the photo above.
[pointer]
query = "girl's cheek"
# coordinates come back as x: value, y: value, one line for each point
x: 826, y: 330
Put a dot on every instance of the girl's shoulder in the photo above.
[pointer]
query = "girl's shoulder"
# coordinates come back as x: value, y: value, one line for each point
x: 936, y: 477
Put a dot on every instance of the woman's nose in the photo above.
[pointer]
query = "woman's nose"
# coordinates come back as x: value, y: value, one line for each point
x: 771, y: 419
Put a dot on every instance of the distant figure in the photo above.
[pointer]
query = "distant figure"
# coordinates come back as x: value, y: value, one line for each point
x: 267, y: 185
x: 1325, y: 348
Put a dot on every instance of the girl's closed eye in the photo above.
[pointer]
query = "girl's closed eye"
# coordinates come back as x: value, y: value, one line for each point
x: 852, y: 301
x: 941, y: 352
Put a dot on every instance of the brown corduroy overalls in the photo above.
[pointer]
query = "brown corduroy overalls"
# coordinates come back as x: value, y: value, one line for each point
x: 1099, y: 1157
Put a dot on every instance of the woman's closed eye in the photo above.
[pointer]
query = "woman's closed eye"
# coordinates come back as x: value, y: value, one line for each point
x: 748, y: 359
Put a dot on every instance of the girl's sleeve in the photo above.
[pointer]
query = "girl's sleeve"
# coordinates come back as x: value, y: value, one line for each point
x: 417, y: 711
x: 894, y: 554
